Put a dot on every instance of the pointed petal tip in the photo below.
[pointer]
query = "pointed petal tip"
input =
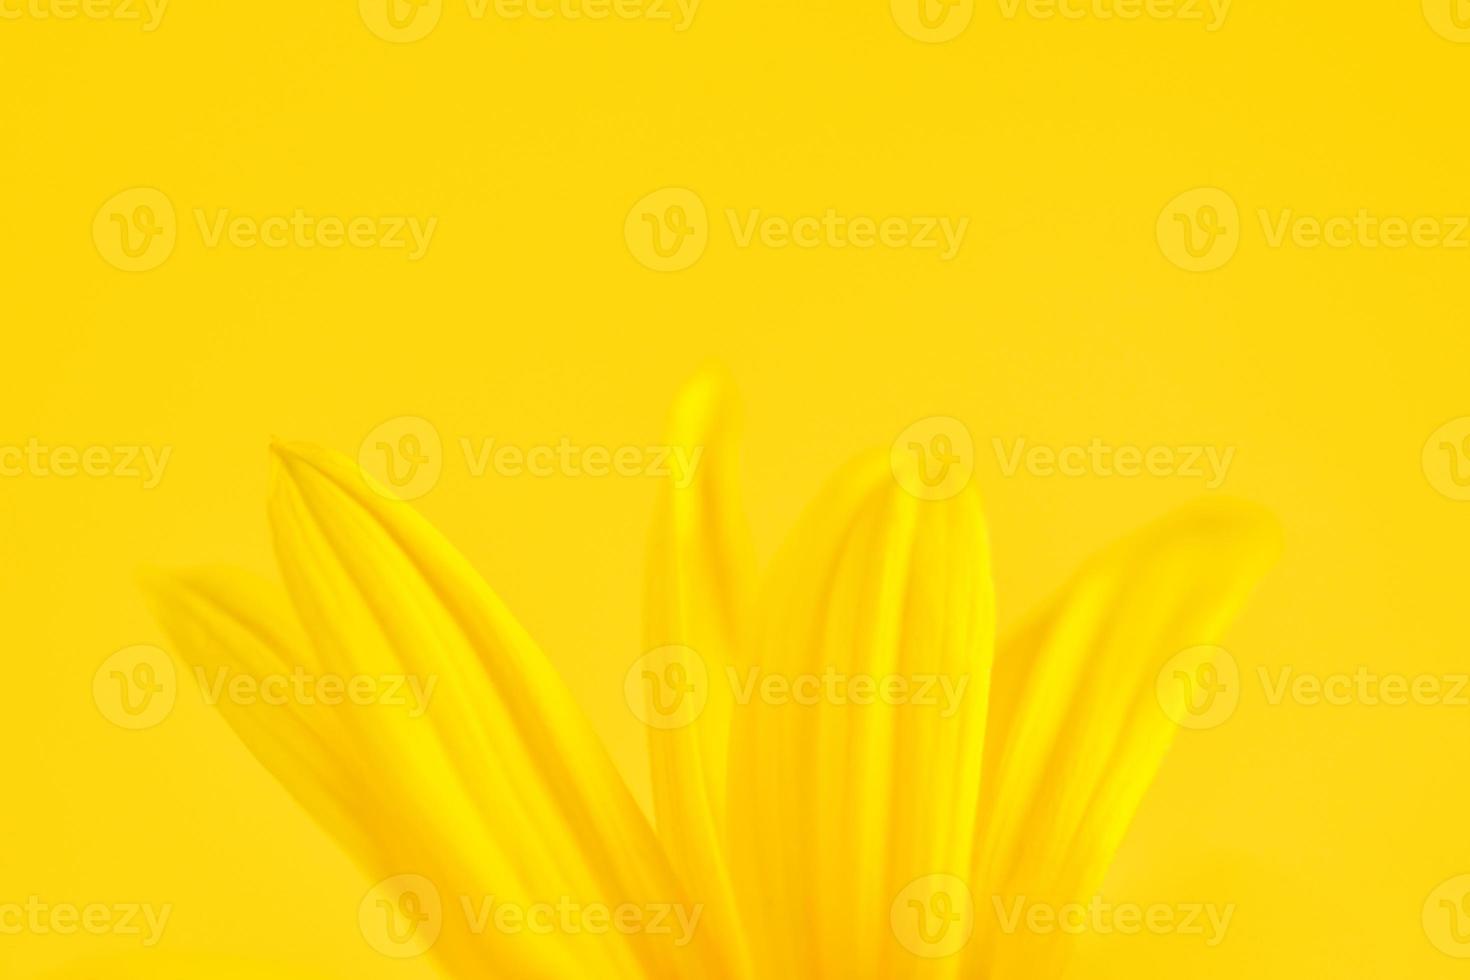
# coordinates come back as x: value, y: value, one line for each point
x: 713, y: 373
x: 166, y: 593
x: 1246, y: 522
x: 307, y: 464
x: 164, y: 586
x: 283, y: 457
x: 290, y: 452
x: 705, y: 403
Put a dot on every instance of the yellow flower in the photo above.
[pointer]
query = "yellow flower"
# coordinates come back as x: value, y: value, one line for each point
x: 833, y: 822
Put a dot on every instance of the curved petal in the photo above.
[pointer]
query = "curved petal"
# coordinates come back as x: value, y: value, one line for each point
x: 226, y: 622
x: 859, y: 725
x: 230, y: 623
x: 497, y: 786
x: 698, y: 597
x: 1076, y: 731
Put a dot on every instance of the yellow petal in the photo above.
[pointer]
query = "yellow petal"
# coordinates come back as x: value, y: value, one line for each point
x: 221, y: 619
x: 499, y: 788
x: 698, y: 597
x: 1076, y: 728
x: 224, y: 622
x: 837, y: 804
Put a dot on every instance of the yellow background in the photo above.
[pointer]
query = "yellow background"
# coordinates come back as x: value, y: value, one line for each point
x: 530, y: 320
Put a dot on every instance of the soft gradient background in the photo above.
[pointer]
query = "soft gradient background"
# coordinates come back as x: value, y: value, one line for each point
x: 529, y: 320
